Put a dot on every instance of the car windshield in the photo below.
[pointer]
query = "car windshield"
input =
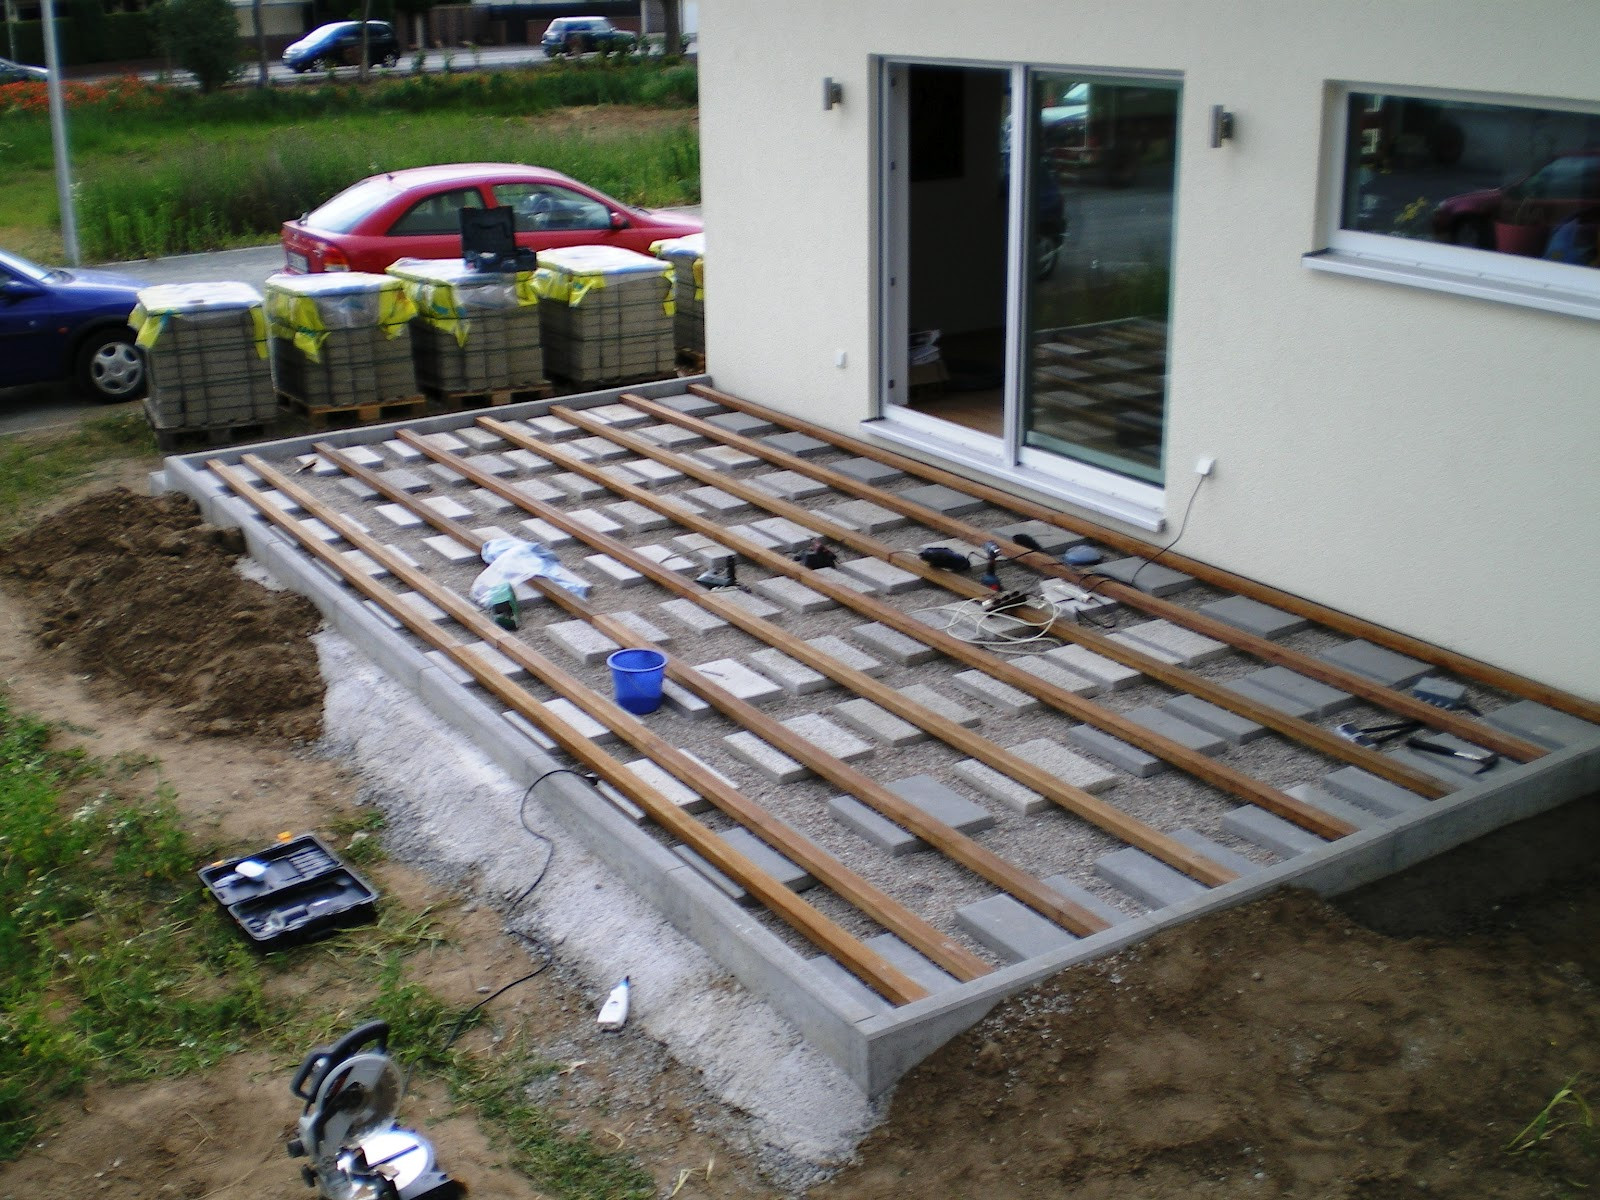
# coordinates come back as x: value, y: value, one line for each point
x: 26, y: 269
x: 352, y: 206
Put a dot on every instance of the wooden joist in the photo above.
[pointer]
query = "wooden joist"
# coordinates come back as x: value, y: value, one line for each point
x: 1460, y: 664
x: 1304, y: 732
x: 866, y: 964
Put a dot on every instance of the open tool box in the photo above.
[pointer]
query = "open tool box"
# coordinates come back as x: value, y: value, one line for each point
x: 289, y: 893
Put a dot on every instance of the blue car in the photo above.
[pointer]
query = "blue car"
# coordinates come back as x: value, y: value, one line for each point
x: 339, y: 44
x: 70, y: 326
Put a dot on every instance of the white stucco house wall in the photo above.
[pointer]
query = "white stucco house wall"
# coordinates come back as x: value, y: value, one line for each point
x: 1404, y: 419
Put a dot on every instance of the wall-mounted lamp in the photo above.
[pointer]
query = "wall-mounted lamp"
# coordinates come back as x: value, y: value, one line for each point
x: 1221, y: 126
x: 832, y: 93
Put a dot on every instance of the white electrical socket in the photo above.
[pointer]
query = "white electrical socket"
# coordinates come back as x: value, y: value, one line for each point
x: 1205, y: 464
x: 839, y: 359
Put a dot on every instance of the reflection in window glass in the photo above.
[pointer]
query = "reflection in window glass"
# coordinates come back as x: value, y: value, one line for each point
x: 1101, y: 267
x: 1507, y: 178
x: 439, y: 213
x: 543, y: 206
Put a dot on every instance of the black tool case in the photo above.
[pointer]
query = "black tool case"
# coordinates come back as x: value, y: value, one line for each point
x: 304, y: 891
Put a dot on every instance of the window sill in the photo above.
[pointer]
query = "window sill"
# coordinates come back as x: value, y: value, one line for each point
x: 1458, y: 283
x: 1138, y: 504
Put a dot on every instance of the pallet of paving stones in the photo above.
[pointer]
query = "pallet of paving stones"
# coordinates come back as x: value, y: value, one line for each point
x: 205, y: 347
x: 688, y: 257
x: 443, y: 401
x: 475, y: 332
x: 178, y: 439
x: 606, y: 315
x: 340, y: 340
x: 318, y: 417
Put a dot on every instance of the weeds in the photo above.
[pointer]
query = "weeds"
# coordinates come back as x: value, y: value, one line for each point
x: 1567, y: 1110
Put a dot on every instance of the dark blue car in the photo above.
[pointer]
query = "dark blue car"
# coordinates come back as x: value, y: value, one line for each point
x: 69, y: 325
x: 339, y: 44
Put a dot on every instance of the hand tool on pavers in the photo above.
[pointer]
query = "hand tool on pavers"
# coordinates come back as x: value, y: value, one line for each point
x: 1080, y: 803
x: 1459, y: 664
x: 829, y: 871
x: 1330, y: 673
x: 1199, y: 765
x: 347, y: 1129
x: 955, y: 845
x: 1378, y: 735
x: 860, y: 960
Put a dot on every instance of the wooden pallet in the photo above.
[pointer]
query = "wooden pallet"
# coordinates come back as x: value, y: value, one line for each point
x: 201, y: 437
x: 489, y: 398
x: 691, y: 362
x: 344, y: 416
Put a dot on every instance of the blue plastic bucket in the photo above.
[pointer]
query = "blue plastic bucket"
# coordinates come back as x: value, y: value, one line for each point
x: 636, y: 678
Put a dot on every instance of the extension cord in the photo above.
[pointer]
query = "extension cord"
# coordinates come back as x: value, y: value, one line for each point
x: 1004, y: 601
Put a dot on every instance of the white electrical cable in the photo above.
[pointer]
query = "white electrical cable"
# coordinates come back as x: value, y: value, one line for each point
x: 969, y: 621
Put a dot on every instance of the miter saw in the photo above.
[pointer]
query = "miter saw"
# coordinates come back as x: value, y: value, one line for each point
x: 347, y: 1130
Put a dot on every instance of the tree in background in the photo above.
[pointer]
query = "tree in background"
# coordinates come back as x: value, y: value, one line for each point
x: 261, y: 44
x: 202, y: 37
x: 672, y: 44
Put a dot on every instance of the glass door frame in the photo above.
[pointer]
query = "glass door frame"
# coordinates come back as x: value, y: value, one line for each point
x: 1005, y: 458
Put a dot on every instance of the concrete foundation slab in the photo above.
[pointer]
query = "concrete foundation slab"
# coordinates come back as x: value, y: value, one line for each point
x: 998, y: 786
x: 1315, y: 696
x: 1108, y: 673
x: 794, y: 596
x: 1376, y: 662
x: 936, y: 701
x: 1204, y: 715
x: 1084, y: 898
x: 867, y: 470
x: 790, y: 485
x: 873, y: 827
x: 1148, y: 880
x: 735, y: 677
x: 992, y: 691
x: 1066, y: 766
x: 1371, y: 793
x: 880, y: 724
x: 794, y: 677
x: 1215, y: 851
x: 1149, y: 577
x: 893, y: 644
x: 1116, y: 752
x: 864, y: 515
x: 943, y: 803
x: 941, y: 499
x: 850, y: 656
x: 1160, y: 721
x: 1544, y: 726
x: 1252, y: 616
x: 1270, y: 832
x: 1010, y: 929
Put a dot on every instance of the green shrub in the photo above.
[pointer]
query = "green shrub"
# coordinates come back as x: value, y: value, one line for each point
x: 202, y: 37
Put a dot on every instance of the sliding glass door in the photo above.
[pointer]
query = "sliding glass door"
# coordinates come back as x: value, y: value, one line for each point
x: 1029, y: 263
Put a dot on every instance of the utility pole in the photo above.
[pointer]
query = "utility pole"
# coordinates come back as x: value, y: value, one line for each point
x: 58, y: 136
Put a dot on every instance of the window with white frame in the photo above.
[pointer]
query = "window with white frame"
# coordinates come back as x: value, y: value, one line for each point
x: 1486, y: 196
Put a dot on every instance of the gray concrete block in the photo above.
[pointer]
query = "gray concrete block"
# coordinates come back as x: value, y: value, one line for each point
x: 672, y: 437
x: 786, y: 535
x: 585, y: 725
x: 751, y: 534
x: 912, y: 963
x: 873, y: 827
x: 685, y: 702
x: 581, y: 640
x: 839, y: 579
x: 1370, y: 792
x: 724, y: 458
x: 539, y: 530
x: 578, y: 487
x: 423, y: 607
x: 1435, y: 689
x: 1254, y: 617
x: 937, y: 702
x: 1051, y: 539
x: 836, y: 976
x: 636, y: 516
x: 1149, y: 577
x: 1543, y: 725
x: 1215, y: 719
x: 866, y: 470
x: 449, y: 549
x: 795, y: 878
x: 596, y: 520
x: 445, y: 474
x: 614, y: 571
x: 789, y: 485
x: 1187, y: 647
x: 943, y: 803
x: 401, y: 451
x: 664, y: 557
x: 690, y: 405
x: 401, y: 518
x: 795, y: 677
x: 792, y: 594
x: 692, y: 616
x: 617, y: 476
x: 877, y: 723
x: 1010, y: 929
x: 1056, y: 675
x: 1271, y: 699
x: 715, y: 500
x: 733, y: 676
x: 493, y: 464
x: 529, y: 462
x: 942, y: 499
x: 650, y: 473
x: 597, y: 449
x: 864, y: 515
x: 771, y: 762
x: 670, y: 786
x: 622, y: 804
x: 1066, y: 766
x: 360, y: 490
x: 1376, y: 662
x: 645, y: 629
x: 1117, y: 753
x: 998, y: 786
x: 885, y: 577
x: 1452, y: 772
x: 486, y: 501
x: 991, y: 691
x: 1331, y: 805
x: 832, y: 739
x: 1318, y: 697
x: 714, y: 877
x: 893, y: 644
x: 1108, y: 673
x: 553, y: 429
x: 1146, y: 879
x: 1270, y: 832
x: 1160, y: 721
x: 403, y: 479
x: 742, y: 423
x: 801, y: 445
x: 1216, y: 852
x: 850, y: 656
x: 618, y: 416
x: 1063, y: 886
x: 450, y: 509
x: 753, y: 604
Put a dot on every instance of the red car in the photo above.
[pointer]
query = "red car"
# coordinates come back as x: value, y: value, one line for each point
x: 416, y: 214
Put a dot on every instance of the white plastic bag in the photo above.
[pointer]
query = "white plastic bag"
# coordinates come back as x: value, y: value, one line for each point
x: 513, y: 561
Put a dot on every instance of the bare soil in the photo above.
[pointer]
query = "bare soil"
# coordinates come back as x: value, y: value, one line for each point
x: 1282, y: 1049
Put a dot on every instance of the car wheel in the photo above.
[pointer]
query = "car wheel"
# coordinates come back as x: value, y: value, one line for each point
x: 1475, y: 232
x: 391, y: 59
x: 110, y: 367
x: 1046, y: 253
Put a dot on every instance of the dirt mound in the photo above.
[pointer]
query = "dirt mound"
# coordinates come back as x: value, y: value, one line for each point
x: 140, y: 591
x: 1274, y: 1050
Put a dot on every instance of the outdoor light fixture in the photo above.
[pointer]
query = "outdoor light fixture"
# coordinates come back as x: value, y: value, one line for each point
x: 1221, y: 126
x: 832, y: 93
